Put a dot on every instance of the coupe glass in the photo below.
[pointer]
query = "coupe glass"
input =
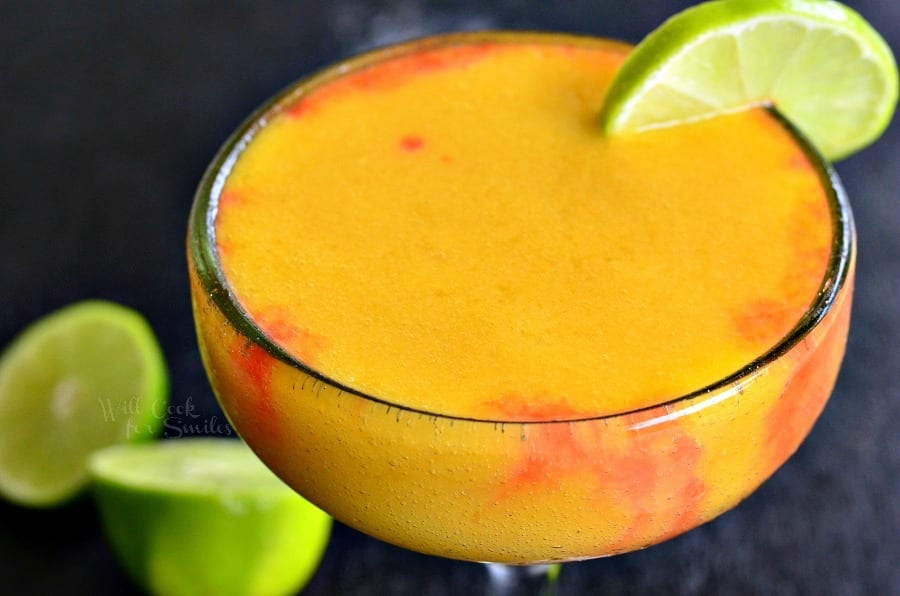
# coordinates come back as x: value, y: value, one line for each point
x: 519, y: 494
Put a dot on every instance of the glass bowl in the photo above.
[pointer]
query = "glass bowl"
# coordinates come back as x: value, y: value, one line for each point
x: 511, y: 491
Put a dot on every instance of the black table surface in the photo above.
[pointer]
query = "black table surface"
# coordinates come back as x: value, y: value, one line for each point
x: 110, y: 113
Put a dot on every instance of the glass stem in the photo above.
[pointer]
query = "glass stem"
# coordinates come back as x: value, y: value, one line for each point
x: 525, y: 580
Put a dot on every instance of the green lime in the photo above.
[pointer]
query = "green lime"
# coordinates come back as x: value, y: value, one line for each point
x: 817, y: 61
x: 83, y: 378
x: 205, y: 516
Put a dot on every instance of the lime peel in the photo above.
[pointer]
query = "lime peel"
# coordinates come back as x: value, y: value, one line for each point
x: 203, y: 516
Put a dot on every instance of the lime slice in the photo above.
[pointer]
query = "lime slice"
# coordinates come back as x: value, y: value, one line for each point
x: 205, y: 516
x: 78, y: 380
x: 817, y: 61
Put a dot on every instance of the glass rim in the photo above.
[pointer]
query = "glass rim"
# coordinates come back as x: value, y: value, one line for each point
x: 205, y: 262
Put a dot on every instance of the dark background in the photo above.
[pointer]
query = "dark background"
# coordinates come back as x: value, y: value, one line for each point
x: 110, y: 113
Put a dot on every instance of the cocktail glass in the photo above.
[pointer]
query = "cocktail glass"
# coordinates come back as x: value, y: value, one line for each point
x: 519, y: 494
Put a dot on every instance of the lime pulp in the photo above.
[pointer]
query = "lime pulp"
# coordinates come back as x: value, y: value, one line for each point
x: 86, y: 377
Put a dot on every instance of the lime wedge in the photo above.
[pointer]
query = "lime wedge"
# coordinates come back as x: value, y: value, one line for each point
x: 205, y: 516
x: 83, y: 378
x: 817, y: 61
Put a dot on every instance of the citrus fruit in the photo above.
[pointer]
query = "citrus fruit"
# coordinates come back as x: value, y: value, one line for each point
x: 818, y: 62
x: 80, y: 379
x: 205, y: 516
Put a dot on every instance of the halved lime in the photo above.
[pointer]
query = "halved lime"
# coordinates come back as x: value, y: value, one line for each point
x: 822, y: 66
x: 205, y: 516
x: 83, y: 378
